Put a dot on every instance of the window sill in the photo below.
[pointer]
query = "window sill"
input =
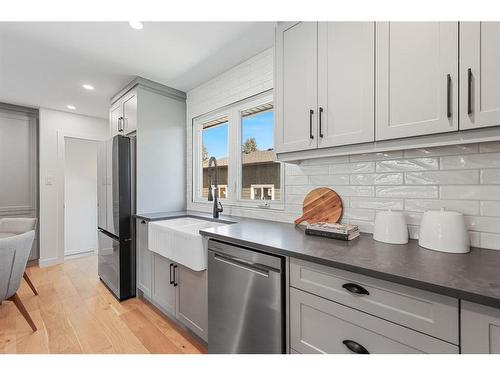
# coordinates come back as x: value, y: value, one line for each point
x: 243, y: 204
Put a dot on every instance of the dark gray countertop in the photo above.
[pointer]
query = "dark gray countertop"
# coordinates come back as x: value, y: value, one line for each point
x: 474, y: 276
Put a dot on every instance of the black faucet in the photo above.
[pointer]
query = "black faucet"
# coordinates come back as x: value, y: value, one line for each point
x: 214, y: 185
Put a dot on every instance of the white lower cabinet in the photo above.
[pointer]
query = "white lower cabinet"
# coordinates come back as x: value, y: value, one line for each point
x: 163, y: 292
x: 480, y: 329
x: 177, y: 290
x: 321, y: 326
x: 192, y: 300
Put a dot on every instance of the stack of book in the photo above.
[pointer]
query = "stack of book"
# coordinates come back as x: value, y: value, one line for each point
x: 346, y: 232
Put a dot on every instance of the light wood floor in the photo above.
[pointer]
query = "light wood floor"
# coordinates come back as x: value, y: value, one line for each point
x: 75, y: 313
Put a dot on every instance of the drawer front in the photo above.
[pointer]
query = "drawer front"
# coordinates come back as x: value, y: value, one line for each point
x: 427, y: 312
x: 322, y: 326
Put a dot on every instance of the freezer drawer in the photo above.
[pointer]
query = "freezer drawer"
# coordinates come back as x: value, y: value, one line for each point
x: 245, y: 301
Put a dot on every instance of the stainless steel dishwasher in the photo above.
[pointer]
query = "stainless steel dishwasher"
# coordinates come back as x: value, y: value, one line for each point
x: 245, y: 300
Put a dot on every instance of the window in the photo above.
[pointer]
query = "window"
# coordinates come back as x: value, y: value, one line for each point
x: 241, y: 138
x: 260, y: 172
x: 215, y: 144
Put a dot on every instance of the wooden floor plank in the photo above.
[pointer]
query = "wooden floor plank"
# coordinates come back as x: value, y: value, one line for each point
x: 75, y: 313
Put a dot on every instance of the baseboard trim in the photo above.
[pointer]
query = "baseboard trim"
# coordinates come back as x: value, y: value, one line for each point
x: 48, y: 262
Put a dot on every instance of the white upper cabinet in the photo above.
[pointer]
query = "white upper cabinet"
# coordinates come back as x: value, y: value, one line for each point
x: 480, y: 74
x: 296, y: 86
x: 346, y: 58
x: 115, y: 116
x: 130, y: 113
x: 416, y: 78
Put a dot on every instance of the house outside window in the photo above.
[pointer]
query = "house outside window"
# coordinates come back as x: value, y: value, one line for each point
x: 241, y: 138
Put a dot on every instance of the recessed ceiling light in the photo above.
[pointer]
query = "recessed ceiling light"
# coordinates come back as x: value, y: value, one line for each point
x: 135, y: 25
x: 71, y: 106
x: 88, y: 87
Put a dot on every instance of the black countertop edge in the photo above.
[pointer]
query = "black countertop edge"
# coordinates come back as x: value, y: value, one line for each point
x: 418, y: 284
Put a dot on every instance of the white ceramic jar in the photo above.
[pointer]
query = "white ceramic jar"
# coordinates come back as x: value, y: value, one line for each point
x: 390, y: 227
x: 444, y: 231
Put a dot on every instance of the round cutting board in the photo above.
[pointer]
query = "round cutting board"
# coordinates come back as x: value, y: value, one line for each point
x: 321, y: 205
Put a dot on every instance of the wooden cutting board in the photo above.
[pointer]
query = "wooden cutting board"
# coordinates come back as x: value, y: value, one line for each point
x: 321, y: 205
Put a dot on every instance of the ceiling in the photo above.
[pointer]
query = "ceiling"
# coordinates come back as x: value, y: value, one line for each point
x: 45, y: 64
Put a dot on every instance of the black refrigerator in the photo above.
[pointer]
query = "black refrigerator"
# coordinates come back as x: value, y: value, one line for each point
x: 116, y: 207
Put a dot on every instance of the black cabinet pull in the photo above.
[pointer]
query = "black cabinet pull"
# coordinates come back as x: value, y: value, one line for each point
x: 355, y: 288
x: 448, y: 95
x: 171, y: 279
x: 469, y: 91
x: 175, y: 276
x: 320, y: 129
x: 311, y: 112
x: 354, y: 347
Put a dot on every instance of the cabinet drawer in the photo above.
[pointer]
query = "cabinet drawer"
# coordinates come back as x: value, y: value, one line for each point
x: 427, y: 312
x: 322, y: 326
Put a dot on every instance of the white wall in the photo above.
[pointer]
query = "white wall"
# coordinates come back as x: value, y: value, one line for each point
x: 54, y: 125
x: 80, y: 196
x: 463, y: 178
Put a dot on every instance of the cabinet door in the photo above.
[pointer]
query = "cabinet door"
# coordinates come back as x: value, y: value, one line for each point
x: 192, y: 300
x: 144, y: 258
x: 163, y: 292
x: 130, y: 113
x: 480, y: 329
x: 296, y: 86
x: 346, y: 60
x: 321, y: 326
x: 416, y: 78
x: 479, y: 74
x: 115, y: 115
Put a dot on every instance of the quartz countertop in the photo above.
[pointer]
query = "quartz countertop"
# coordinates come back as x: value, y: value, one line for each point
x: 473, y: 277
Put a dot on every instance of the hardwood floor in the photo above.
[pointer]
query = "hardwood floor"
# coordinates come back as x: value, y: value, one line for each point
x: 75, y: 313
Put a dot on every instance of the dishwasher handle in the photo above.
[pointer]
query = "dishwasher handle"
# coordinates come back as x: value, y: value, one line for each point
x: 243, y: 264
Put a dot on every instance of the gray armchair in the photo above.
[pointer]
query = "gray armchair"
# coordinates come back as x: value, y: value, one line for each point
x: 11, y: 227
x: 14, y: 253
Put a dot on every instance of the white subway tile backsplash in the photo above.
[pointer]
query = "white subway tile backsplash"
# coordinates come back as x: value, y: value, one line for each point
x: 490, y: 241
x: 486, y: 160
x: 490, y: 176
x: 364, y: 167
x: 442, y: 151
x: 406, y: 165
x: 377, y: 179
x: 480, y: 192
x: 329, y: 180
x: 442, y: 178
x: 407, y: 191
x: 377, y: 156
x: 377, y: 203
x: 463, y: 178
x: 490, y: 208
x: 463, y: 206
x: 483, y: 224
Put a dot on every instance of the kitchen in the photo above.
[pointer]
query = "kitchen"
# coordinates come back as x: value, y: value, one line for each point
x: 289, y: 200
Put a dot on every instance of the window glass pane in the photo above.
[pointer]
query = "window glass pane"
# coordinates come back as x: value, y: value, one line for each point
x: 215, y: 143
x: 260, y: 172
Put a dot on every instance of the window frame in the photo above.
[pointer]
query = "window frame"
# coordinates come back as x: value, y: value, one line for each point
x: 233, y: 112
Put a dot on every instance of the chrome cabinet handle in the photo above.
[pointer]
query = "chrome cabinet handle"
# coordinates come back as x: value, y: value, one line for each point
x: 320, y: 129
x: 448, y: 95
x: 354, y: 347
x: 469, y: 91
x: 171, y: 280
x: 355, y: 288
x: 311, y: 112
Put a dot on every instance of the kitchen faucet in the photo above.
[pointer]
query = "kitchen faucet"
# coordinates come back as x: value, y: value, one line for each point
x: 214, y: 185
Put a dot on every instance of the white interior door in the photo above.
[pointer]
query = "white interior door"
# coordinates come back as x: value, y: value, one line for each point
x: 416, y: 78
x: 479, y: 74
x: 296, y: 83
x: 346, y: 57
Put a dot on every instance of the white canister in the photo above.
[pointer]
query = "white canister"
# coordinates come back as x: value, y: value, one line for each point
x: 390, y: 227
x: 444, y: 231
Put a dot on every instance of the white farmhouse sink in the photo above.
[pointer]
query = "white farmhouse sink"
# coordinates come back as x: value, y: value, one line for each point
x: 180, y: 241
